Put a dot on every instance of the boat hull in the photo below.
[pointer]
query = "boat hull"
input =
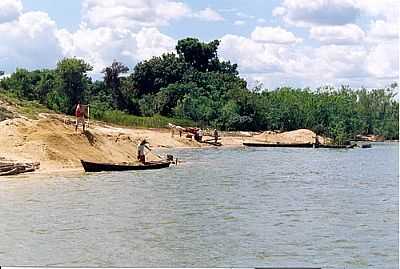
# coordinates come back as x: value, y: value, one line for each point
x: 100, y: 167
x: 280, y: 145
x: 297, y: 145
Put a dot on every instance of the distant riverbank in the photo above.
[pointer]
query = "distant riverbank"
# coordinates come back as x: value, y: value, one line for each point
x: 52, y: 141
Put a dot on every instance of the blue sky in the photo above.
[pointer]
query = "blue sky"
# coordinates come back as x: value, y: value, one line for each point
x: 277, y: 43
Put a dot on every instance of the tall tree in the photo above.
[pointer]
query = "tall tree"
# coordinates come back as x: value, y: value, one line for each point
x: 198, y: 54
x: 74, y: 79
x: 151, y: 75
x: 112, y: 80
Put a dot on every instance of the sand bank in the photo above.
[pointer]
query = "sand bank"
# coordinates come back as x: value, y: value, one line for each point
x: 52, y: 141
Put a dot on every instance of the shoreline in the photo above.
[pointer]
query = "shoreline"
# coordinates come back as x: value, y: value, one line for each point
x: 52, y: 141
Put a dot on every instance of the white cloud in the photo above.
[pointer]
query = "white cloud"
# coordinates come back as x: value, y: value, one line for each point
x: 151, y: 42
x: 338, y: 34
x: 341, y: 61
x: 101, y: 46
x: 320, y: 12
x: 132, y: 14
x: 208, y: 14
x: 383, y: 30
x: 251, y: 56
x: 387, y: 9
x: 128, y: 31
x: 29, y: 41
x: 239, y: 23
x: 301, y: 65
x: 335, y: 12
x: 279, y: 11
x: 140, y: 13
x: 10, y: 10
x: 383, y: 61
x: 261, y: 20
x: 275, y: 35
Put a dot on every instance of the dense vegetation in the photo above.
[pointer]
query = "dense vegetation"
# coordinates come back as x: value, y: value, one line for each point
x: 195, y: 85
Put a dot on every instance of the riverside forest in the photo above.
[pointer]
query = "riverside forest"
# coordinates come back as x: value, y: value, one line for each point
x: 193, y: 86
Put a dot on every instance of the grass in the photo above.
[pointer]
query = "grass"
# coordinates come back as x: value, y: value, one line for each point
x: 29, y: 109
x: 157, y: 121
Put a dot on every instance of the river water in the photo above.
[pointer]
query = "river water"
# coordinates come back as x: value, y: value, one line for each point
x: 242, y: 207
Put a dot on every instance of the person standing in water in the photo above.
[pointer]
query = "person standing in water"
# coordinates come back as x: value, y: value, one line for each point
x: 141, y: 151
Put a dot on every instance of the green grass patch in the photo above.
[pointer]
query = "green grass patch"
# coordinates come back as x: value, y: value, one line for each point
x: 157, y: 121
x: 29, y: 109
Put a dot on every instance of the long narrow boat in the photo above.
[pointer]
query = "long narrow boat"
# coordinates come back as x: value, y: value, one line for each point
x: 275, y: 145
x: 99, y: 167
x: 297, y: 145
x: 337, y: 146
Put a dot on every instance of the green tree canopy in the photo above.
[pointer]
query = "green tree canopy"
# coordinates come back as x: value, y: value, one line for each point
x: 74, y: 80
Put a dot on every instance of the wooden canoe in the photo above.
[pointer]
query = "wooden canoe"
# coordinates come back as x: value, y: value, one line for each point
x: 12, y: 171
x: 328, y: 146
x: 274, y: 145
x: 99, y: 167
x: 297, y: 145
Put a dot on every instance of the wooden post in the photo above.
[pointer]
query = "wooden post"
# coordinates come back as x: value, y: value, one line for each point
x: 88, y: 114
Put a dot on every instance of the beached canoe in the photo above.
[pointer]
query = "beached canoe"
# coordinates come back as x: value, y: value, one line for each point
x: 297, y: 145
x: 274, y: 145
x: 98, y: 167
x: 337, y: 146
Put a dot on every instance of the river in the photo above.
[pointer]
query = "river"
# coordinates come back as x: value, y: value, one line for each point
x: 241, y: 207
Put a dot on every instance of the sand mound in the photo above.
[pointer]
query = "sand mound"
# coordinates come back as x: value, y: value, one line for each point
x: 297, y: 136
x: 53, y: 142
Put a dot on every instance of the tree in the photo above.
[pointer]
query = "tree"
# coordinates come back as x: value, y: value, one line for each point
x: 151, y: 75
x: 73, y: 80
x: 112, y: 80
x: 198, y: 54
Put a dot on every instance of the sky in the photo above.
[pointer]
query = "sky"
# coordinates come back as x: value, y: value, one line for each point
x: 297, y: 43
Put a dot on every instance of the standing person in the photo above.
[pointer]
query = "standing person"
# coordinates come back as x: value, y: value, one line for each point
x: 317, y: 143
x: 200, y: 135
x: 140, y: 150
x: 80, y: 116
x: 215, y: 135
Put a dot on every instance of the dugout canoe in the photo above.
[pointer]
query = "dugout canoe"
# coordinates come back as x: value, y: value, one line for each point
x: 328, y: 146
x: 99, y: 167
x: 297, y: 145
x: 275, y: 145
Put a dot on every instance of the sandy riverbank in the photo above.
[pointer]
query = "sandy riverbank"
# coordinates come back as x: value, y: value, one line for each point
x: 52, y: 141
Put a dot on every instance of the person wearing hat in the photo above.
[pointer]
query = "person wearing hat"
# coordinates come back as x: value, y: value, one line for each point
x: 141, y: 148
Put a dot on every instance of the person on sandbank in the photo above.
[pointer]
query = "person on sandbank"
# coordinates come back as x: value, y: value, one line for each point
x: 140, y: 151
x: 215, y: 136
x: 80, y: 116
x: 200, y: 135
